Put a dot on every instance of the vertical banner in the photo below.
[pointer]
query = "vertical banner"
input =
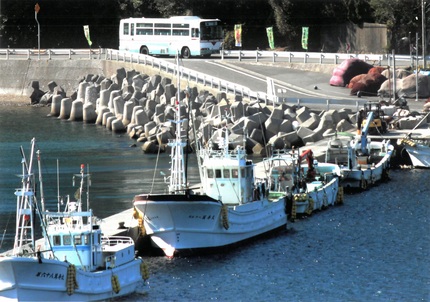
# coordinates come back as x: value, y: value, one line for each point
x: 87, y: 34
x: 269, y: 31
x: 238, y: 35
x: 305, y: 33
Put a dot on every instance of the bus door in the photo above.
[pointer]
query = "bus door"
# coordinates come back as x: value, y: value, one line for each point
x: 127, y: 37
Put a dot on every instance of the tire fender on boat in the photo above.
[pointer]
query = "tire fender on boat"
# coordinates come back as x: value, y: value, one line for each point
x: 363, y: 184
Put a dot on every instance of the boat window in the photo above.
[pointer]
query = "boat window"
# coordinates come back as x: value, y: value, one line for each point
x: 218, y: 173
x: 210, y: 173
x: 226, y: 173
x: 56, y: 239
x: 67, y: 240
x: 77, y: 239
x: 235, y: 173
x: 86, y: 239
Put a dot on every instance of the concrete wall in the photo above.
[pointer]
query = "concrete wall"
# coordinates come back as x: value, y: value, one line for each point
x: 16, y: 75
x: 368, y: 38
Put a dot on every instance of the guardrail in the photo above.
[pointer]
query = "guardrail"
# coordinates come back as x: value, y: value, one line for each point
x: 10, y: 53
x: 321, y: 58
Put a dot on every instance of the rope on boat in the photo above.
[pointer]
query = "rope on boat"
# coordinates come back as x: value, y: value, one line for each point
x: 139, y: 217
x: 224, y: 216
x: 144, y: 271
x: 116, y: 287
x: 71, y: 282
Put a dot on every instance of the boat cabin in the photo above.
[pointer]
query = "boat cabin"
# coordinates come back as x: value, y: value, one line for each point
x: 229, y: 179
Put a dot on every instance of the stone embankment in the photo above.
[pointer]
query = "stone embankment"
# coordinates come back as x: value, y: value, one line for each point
x: 143, y: 106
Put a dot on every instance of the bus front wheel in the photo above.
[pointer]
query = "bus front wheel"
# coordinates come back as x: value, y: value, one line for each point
x: 144, y: 50
x: 186, y: 54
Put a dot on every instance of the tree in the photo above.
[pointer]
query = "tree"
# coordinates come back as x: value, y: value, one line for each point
x: 401, y: 17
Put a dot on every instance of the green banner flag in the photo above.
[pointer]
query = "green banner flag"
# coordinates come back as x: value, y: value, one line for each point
x: 87, y: 34
x: 269, y: 31
x: 305, y: 33
x: 238, y: 35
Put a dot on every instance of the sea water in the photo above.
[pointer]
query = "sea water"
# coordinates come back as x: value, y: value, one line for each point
x: 375, y: 247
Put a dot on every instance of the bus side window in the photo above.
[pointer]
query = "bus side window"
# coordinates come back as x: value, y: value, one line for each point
x: 126, y: 25
x: 132, y: 29
x: 195, y: 32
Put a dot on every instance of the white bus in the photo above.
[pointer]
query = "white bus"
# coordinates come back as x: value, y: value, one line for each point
x: 190, y: 35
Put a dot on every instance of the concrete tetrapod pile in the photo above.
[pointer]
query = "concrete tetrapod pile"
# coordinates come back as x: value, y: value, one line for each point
x: 143, y: 107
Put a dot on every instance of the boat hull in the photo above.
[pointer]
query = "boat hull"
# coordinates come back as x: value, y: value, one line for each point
x: 175, y: 225
x: 419, y: 155
x: 318, y: 197
x: 25, y: 279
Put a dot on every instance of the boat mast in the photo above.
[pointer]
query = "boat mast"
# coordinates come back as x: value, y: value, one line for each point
x: 25, y: 205
x: 177, y: 177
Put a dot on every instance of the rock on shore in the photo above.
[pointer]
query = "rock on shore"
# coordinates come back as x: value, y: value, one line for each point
x: 143, y: 106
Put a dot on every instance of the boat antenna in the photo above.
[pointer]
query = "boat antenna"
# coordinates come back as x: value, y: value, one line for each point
x: 58, y: 186
x: 42, y: 194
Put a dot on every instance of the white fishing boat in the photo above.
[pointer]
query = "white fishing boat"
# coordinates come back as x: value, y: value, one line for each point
x: 418, y: 151
x: 362, y: 162
x: 73, y: 261
x: 228, y: 207
x: 418, y: 148
x: 312, y: 186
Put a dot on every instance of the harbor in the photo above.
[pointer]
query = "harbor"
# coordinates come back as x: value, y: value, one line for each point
x: 337, y: 219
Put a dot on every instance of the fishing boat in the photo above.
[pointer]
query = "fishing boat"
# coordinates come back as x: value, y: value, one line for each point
x: 362, y: 162
x: 228, y: 206
x: 310, y: 186
x: 418, y: 149
x: 73, y: 261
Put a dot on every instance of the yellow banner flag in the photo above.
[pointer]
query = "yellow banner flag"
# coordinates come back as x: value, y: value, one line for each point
x: 238, y: 35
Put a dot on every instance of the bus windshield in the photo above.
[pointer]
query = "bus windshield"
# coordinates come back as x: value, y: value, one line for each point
x: 210, y: 30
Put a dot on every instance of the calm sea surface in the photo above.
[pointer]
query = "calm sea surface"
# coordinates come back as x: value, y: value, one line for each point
x: 376, y: 247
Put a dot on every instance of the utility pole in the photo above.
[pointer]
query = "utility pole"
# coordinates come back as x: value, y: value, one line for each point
x: 423, y: 29
x: 36, y: 11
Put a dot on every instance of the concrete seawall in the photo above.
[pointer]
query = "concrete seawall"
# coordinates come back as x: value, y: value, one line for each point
x: 16, y: 75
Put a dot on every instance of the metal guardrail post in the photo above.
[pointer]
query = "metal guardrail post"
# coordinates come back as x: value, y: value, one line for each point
x: 256, y: 56
x: 240, y: 55
x: 49, y: 54
x: 321, y: 58
x: 290, y: 57
x: 273, y: 57
x: 328, y: 104
x: 305, y: 59
x: 28, y: 54
x: 7, y: 54
x: 70, y: 54
x: 89, y: 54
x: 336, y: 59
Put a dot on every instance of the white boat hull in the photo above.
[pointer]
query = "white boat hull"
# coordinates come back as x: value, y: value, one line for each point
x: 419, y: 155
x: 25, y: 279
x: 175, y: 225
x: 365, y: 171
x: 319, y: 196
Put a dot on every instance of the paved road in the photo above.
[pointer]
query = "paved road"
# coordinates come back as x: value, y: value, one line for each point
x: 288, y: 82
